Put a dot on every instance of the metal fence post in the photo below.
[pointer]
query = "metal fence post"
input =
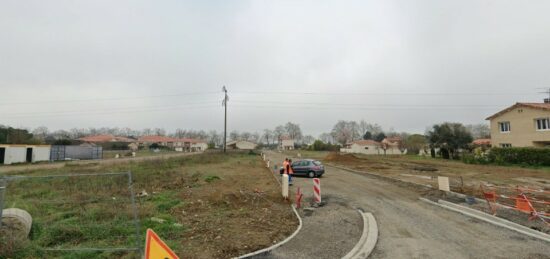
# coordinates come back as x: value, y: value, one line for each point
x: 134, y: 207
x: 2, y: 191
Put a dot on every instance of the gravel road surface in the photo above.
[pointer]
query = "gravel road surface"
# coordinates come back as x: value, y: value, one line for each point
x: 409, y: 228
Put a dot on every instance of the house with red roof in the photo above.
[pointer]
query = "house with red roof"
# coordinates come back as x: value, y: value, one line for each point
x: 178, y: 144
x: 521, y: 125
x: 104, y: 139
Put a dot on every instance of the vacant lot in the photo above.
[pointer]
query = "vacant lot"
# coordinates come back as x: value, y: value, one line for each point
x: 464, y: 178
x: 425, y: 170
x: 203, y: 206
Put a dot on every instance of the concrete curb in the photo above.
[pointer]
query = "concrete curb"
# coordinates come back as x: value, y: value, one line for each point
x: 267, y: 250
x: 490, y: 219
x: 368, y: 240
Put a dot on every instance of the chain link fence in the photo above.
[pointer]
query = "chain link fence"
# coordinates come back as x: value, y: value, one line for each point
x: 73, y: 215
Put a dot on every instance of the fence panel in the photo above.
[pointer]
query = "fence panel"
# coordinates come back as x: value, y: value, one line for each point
x: 76, y: 215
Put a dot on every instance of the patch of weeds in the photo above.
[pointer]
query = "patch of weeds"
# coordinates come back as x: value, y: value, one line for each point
x: 61, y: 234
x: 165, y: 201
x: 211, y: 178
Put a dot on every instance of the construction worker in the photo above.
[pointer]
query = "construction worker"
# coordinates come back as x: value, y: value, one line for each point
x: 290, y: 172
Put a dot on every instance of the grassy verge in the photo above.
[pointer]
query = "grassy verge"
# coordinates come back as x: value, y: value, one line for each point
x: 203, y: 206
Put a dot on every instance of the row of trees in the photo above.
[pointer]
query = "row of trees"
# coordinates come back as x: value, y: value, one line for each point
x: 449, y: 137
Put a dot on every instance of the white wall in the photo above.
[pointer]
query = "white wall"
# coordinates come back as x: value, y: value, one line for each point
x: 245, y: 145
x: 40, y: 154
x: 18, y: 154
x: 201, y: 146
x: 15, y: 155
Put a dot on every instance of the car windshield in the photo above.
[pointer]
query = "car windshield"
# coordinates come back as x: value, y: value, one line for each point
x: 316, y: 163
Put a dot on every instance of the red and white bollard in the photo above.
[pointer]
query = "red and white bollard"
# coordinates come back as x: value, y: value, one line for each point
x: 317, y: 190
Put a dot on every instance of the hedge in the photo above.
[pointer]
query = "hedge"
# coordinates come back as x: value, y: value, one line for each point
x: 522, y: 155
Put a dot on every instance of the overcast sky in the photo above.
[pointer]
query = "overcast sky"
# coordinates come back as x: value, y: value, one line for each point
x: 145, y: 64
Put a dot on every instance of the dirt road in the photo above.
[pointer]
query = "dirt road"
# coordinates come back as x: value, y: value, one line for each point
x: 60, y: 164
x: 410, y: 228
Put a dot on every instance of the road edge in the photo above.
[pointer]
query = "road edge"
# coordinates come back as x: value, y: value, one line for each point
x: 500, y: 222
x: 368, y: 240
x: 268, y: 249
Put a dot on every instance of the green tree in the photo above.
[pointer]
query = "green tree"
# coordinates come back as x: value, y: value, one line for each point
x: 449, y: 137
x: 414, y: 143
x: 380, y: 136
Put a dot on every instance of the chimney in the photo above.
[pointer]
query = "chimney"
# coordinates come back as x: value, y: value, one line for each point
x: 546, y: 100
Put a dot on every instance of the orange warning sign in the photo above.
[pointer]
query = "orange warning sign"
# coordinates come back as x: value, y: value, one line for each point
x: 156, y: 248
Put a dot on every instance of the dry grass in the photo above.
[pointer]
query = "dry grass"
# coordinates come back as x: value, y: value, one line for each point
x: 209, y: 206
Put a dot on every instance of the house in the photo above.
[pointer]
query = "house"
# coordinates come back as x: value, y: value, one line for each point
x: 371, y: 147
x: 521, y: 125
x: 241, y: 144
x: 14, y: 153
x: 482, y: 142
x: 392, y: 146
x: 178, y: 144
x: 104, y: 139
x: 286, y: 143
x: 368, y: 147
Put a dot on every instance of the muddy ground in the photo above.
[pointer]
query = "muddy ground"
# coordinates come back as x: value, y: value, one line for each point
x: 464, y: 178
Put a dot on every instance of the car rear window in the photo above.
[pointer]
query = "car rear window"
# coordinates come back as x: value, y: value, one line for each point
x: 316, y: 163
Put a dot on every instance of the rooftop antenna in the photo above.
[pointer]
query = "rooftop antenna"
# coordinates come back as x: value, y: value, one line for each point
x: 546, y: 91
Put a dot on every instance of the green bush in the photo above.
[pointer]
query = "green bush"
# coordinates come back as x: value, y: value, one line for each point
x: 522, y: 156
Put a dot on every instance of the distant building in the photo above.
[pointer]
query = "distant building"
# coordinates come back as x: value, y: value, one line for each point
x: 368, y: 147
x: 104, y: 139
x: 482, y: 142
x: 241, y: 145
x: 12, y: 153
x: 371, y: 147
x: 286, y: 143
x: 178, y: 144
x: 521, y: 125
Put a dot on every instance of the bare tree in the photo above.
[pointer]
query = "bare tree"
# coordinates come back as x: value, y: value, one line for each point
x: 479, y: 130
x: 345, y: 131
x: 234, y: 135
x: 293, y: 131
x: 40, y: 133
x: 268, y: 135
x: 279, y: 132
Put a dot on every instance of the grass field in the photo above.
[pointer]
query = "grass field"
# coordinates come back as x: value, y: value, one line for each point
x: 203, y: 206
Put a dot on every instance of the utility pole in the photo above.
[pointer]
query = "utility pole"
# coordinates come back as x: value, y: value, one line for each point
x: 224, y: 104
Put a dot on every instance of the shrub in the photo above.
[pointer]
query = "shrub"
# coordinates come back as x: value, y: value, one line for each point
x: 524, y: 155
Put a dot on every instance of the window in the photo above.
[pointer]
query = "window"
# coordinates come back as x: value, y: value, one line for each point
x: 366, y: 147
x: 505, y: 145
x: 504, y: 126
x: 542, y: 124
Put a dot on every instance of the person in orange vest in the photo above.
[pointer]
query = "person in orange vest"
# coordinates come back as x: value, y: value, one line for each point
x: 290, y: 172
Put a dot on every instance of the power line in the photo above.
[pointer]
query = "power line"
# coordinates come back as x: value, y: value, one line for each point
x: 110, y: 112
x: 379, y: 93
x: 367, y: 105
x: 109, y: 99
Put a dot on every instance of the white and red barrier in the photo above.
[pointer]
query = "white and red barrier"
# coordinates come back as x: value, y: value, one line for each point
x: 317, y: 190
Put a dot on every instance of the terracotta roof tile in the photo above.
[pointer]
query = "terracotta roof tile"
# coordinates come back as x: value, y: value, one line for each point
x: 542, y: 106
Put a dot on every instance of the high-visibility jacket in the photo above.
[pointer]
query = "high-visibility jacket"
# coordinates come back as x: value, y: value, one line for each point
x: 290, y: 171
x: 285, y: 167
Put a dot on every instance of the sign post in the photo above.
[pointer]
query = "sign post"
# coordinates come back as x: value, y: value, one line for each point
x: 317, y: 190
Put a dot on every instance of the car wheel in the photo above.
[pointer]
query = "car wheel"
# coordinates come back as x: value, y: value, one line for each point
x: 311, y: 174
